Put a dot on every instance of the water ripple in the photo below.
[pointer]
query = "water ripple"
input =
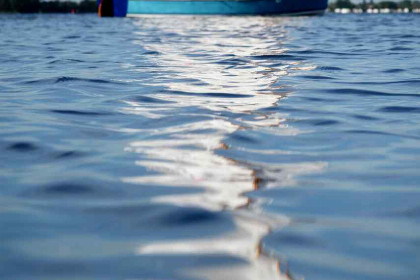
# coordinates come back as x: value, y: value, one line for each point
x: 209, y: 147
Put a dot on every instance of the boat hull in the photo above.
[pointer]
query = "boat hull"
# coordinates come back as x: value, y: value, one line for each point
x: 227, y: 7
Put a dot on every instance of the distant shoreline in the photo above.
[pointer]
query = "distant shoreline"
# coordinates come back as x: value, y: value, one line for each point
x: 370, y: 7
x: 47, y: 7
x: 90, y: 6
x: 373, y: 11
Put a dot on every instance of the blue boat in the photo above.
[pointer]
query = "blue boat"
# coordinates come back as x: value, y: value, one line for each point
x: 122, y: 8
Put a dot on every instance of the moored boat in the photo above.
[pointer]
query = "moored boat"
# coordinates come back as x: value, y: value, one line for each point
x: 121, y: 8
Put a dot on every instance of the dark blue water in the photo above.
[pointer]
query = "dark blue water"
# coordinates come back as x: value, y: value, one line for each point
x: 210, y: 147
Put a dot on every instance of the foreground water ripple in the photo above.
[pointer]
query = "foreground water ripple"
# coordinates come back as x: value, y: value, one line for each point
x: 209, y: 147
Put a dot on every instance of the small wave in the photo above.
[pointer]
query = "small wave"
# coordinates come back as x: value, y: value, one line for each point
x: 400, y: 109
x: 318, y: 99
x: 72, y: 37
x: 65, y: 79
x: 23, y: 147
x: 68, y: 154
x: 69, y: 79
x: 319, y: 122
x: 168, y: 216
x: 409, y: 82
x: 242, y: 138
x: 62, y: 61
x: 151, y: 53
x: 394, y: 70
x: 314, y: 77
x: 330, y: 68
x: 68, y: 189
x: 352, y: 53
x: 233, y: 61
x: 400, y: 49
x: 191, y: 216
x: 278, y: 57
x: 365, y: 117
x: 81, y: 113
x: 148, y: 99
x: 403, y: 36
x: 364, y: 92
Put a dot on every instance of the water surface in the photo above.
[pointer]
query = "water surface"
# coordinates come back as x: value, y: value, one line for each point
x: 210, y: 147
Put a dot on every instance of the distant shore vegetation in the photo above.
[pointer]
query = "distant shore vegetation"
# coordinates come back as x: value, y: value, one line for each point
x: 369, y: 6
x: 37, y: 6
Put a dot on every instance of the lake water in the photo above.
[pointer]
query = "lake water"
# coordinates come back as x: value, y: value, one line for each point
x: 210, y: 147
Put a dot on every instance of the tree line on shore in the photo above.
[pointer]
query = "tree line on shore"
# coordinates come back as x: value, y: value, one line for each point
x: 370, y: 4
x: 38, y: 6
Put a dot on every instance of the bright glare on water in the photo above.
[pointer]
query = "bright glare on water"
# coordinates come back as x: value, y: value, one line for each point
x: 210, y: 147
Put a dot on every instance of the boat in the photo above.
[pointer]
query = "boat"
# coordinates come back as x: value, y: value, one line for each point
x: 122, y: 8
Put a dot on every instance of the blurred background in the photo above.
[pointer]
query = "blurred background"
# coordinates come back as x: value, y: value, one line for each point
x: 90, y: 6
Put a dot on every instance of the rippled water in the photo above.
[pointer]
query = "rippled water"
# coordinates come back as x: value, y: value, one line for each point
x: 210, y: 147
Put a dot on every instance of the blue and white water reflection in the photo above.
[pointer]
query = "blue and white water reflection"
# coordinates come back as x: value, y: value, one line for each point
x: 209, y: 147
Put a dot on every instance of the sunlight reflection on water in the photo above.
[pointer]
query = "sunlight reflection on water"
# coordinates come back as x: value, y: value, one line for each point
x: 186, y: 154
